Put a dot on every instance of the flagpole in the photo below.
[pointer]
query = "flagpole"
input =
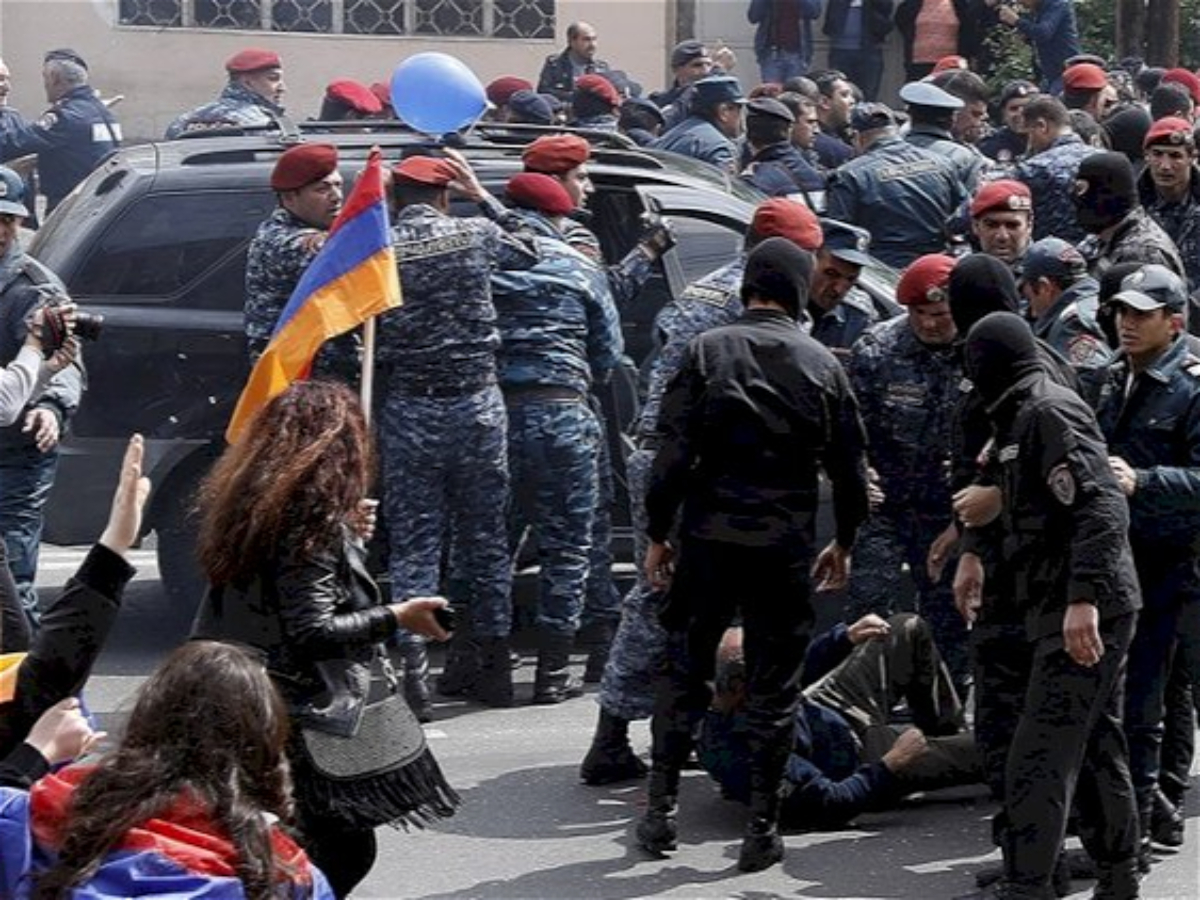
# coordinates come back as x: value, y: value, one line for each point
x: 368, y: 367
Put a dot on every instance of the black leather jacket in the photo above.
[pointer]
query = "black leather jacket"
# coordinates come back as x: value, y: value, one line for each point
x: 317, y: 619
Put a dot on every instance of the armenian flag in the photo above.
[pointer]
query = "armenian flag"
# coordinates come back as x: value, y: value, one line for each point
x: 352, y: 279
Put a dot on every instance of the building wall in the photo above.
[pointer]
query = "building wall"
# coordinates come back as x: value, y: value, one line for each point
x: 165, y: 71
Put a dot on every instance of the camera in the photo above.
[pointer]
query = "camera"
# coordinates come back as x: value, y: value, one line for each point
x: 55, y: 329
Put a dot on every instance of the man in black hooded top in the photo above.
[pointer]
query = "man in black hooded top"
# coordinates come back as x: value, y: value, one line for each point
x: 756, y: 408
x: 1067, y: 560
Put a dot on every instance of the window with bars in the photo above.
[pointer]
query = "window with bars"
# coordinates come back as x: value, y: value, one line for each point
x: 440, y: 18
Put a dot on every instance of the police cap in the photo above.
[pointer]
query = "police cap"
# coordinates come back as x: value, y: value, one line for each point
x: 686, y: 51
x: 716, y: 89
x: 848, y: 243
x: 1017, y: 90
x: 870, y: 116
x: 926, y: 280
x: 922, y: 93
x: 532, y: 107
x: 1172, y: 131
x: 65, y: 53
x: 770, y: 108
x: 1004, y: 195
x: 12, y: 193
x: 1152, y: 287
x: 1055, y: 259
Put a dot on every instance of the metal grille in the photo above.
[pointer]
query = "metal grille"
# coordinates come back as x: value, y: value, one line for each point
x: 444, y: 18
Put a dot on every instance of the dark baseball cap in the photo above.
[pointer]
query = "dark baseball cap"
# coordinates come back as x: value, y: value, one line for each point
x: 1053, y: 258
x: 770, y: 108
x: 846, y: 242
x: 1016, y: 90
x: 718, y: 89
x: 870, y: 116
x: 1152, y: 287
x: 12, y: 193
x: 686, y: 51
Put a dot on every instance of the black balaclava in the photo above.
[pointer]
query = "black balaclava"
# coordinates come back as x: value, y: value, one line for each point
x: 1110, y: 283
x: 1127, y: 131
x: 981, y: 284
x: 778, y: 270
x: 1000, y: 350
x: 1106, y: 191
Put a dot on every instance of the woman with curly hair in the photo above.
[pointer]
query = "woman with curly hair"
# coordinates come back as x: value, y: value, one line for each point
x: 192, y: 801
x: 282, y: 521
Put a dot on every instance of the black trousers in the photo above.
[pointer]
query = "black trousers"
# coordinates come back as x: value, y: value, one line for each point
x: 714, y: 583
x: 1069, y: 747
x: 345, y: 855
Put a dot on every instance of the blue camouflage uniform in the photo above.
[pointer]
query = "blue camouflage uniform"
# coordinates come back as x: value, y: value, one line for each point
x: 626, y: 690
x: 967, y: 160
x: 1181, y: 222
x: 700, y: 139
x: 559, y: 330
x: 70, y: 140
x: 443, y: 426
x: 901, y: 194
x: 908, y: 392
x: 1050, y: 177
x: 780, y: 170
x: 601, y: 122
x: 236, y: 106
x: 1137, y: 238
x: 281, y: 250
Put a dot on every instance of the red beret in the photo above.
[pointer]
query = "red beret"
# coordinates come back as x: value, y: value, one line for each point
x: 927, y: 280
x: 1084, y: 77
x: 599, y: 86
x: 556, y: 154
x: 303, y: 165
x: 425, y: 170
x: 500, y: 90
x: 947, y: 63
x: 533, y: 190
x: 1185, y: 78
x: 1170, y: 130
x: 791, y: 219
x: 1004, y: 195
x: 355, y: 95
x: 252, y: 60
x: 383, y: 93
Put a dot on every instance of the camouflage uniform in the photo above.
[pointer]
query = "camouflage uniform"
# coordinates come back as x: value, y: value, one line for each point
x: 558, y: 329
x: 442, y: 427
x: 1181, y: 222
x: 908, y: 392
x: 236, y: 106
x: 281, y: 250
x: 626, y: 690
x: 1136, y: 238
x: 1050, y: 177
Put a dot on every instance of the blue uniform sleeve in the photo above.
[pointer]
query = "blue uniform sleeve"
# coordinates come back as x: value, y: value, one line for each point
x: 820, y: 802
x: 1174, y: 490
x: 24, y: 137
x: 604, y: 338
x: 840, y: 201
x: 506, y: 250
x: 827, y: 651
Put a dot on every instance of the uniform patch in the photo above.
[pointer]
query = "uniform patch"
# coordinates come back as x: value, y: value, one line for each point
x: 1083, y: 349
x: 966, y: 385
x: 1062, y: 484
x: 1009, y: 453
x: 712, y: 296
x: 47, y: 121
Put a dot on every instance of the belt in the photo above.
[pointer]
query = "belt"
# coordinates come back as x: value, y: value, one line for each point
x: 541, y: 393
x: 437, y: 390
x: 649, y: 442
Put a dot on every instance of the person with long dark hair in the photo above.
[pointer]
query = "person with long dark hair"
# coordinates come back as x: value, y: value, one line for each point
x: 282, y: 521
x: 196, y: 793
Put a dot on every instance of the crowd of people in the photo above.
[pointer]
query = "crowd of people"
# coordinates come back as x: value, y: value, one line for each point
x: 1021, y: 443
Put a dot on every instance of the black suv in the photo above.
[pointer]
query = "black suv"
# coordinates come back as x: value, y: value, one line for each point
x: 155, y: 240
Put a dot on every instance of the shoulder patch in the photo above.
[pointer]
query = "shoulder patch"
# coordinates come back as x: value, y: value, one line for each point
x: 1061, y: 482
x: 1191, y: 365
x: 47, y: 121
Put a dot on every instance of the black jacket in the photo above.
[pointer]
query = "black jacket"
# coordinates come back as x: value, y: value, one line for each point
x: 558, y: 75
x: 756, y: 409
x: 316, y: 618
x: 877, y: 19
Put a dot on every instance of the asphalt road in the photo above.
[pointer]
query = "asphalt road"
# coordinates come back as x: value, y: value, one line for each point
x: 528, y: 829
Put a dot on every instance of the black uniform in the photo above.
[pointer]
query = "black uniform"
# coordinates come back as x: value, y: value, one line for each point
x: 757, y: 407
x: 1059, y: 492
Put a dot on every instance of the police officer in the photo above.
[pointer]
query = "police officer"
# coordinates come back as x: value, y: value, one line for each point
x: 690, y: 62
x: 900, y: 193
x: 559, y: 330
x: 776, y: 167
x: 931, y: 113
x: 626, y: 690
x: 1078, y: 603
x: 1055, y: 152
x: 713, y: 123
x: 838, y: 310
x: 347, y: 100
x: 1169, y: 189
x: 72, y: 136
x: 1150, y: 414
x: 1120, y: 230
x: 28, y: 445
x: 309, y: 189
x: 594, y: 104
x: 1063, y: 301
x: 748, y: 503
x: 1008, y: 143
x: 906, y: 374
x: 443, y: 426
x: 252, y: 96
x: 1002, y: 220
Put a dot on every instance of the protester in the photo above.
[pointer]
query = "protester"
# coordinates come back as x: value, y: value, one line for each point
x: 282, y: 521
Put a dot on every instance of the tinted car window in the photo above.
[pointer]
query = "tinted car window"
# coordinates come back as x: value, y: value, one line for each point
x: 165, y: 242
x: 704, y: 246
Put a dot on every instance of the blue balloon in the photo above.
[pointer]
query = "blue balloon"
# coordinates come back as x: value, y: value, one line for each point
x: 437, y: 93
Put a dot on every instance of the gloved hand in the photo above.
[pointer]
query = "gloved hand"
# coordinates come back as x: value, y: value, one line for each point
x: 658, y: 238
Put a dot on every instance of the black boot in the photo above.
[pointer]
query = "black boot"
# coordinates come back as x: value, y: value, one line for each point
x: 416, y: 678
x: 610, y: 758
x: 657, y: 832
x: 553, y: 681
x: 762, y: 846
x: 1118, y: 881
x: 598, y: 643
x: 1166, y: 822
x: 461, y: 673
x: 494, y: 686
x: 1145, y: 852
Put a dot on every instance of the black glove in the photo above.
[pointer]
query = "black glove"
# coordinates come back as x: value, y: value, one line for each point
x: 658, y: 238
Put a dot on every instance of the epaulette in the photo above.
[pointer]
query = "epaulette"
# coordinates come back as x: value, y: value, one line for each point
x: 1191, y: 365
x: 36, y: 272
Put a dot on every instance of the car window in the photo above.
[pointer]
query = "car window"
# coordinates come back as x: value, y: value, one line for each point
x: 164, y: 243
x: 704, y: 245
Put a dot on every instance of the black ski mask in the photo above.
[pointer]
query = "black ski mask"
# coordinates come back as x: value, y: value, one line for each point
x: 999, y: 352
x: 1105, y: 191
